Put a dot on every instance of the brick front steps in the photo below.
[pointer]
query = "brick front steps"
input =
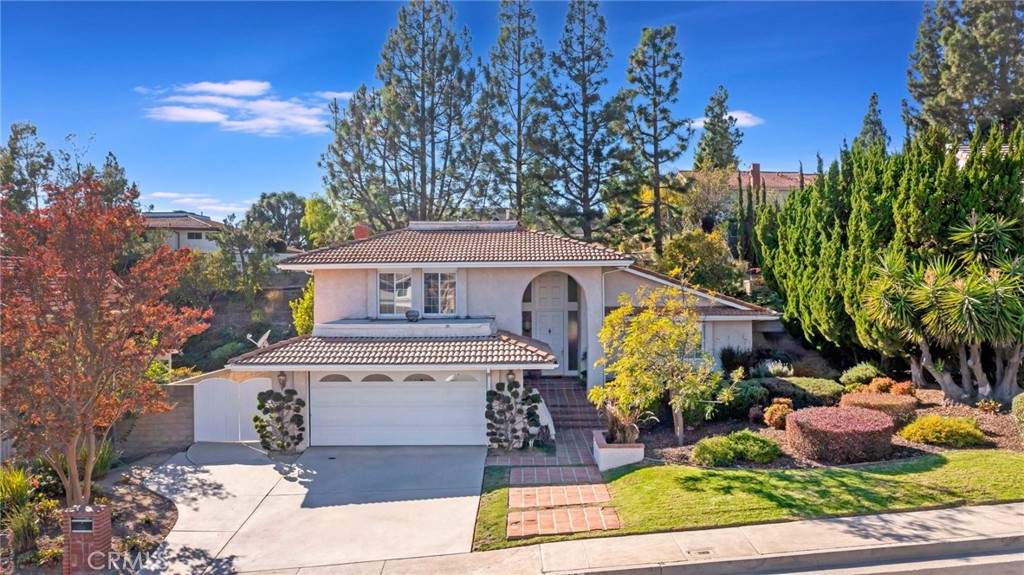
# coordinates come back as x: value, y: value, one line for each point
x: 567, y: 402
x: 562, y: 520
x: 557, y: 495
x: 520, y: 476
x: 572, y: 447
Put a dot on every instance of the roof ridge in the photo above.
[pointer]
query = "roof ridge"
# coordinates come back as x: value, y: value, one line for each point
x: 712, y: 293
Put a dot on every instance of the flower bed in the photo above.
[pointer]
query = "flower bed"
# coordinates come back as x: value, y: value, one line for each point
x: 840, y: 434
x: 611, y: 455
x: 901, y: 408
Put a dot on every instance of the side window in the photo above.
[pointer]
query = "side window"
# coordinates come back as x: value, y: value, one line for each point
x: 394, y: 292
x: 195, y: 235
x: 439, y: 293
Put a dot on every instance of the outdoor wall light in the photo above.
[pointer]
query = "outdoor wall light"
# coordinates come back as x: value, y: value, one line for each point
x: 510, y: 376
x: 282, y: 379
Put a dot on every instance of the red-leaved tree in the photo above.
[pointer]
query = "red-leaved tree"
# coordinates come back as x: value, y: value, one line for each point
x: 80, y: 326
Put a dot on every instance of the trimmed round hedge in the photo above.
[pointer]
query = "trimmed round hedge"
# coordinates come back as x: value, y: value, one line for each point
x: 901, y: 408
x: 840, y: 434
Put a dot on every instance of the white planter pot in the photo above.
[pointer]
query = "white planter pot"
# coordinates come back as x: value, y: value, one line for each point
x: 612, y: 455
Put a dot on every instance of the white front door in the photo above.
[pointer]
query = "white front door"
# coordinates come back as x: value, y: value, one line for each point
x: 397, y: 413
x: 549, y: 316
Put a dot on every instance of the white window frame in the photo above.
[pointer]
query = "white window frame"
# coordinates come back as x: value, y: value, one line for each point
x: 188, y: 235
x: 412, y: 286
x: 423, y: 287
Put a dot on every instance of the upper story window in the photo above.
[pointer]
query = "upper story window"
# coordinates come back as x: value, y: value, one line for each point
x: 195, y: 235
x: 394, y: 292
x: 439, y: 293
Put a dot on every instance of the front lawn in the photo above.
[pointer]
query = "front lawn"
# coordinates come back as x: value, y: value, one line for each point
x: 652, y: 498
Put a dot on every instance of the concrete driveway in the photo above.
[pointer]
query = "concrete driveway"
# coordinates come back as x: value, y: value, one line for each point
x: 239, y: 511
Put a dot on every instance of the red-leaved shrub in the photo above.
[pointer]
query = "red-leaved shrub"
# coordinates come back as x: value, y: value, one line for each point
x: 881, y: 384
x: 902, y: 388
x: 840, y: 434
x: 901, y: 408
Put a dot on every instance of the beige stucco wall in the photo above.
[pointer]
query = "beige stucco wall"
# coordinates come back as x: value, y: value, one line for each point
x: 341, y: 294
x: 722, y: 334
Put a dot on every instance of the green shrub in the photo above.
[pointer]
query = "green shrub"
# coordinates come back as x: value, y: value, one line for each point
x: 840, y: 434
x: 901, y: 408
x: 776, y: 413
x: 742, y: 445
x: 24, y: 527
x: 48, y: 511
x: 1017, y: 407
x: 804, y: 391
x: 945, y: 431
x: 860, y: 374
x: 713, y: 452
x: 747, y: 393
x: 15, y: 489
x: 813, y: 365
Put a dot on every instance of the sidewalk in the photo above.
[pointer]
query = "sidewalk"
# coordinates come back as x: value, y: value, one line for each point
x: 794, y: 546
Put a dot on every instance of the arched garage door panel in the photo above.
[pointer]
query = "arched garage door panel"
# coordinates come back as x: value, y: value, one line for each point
x: 397, y: 413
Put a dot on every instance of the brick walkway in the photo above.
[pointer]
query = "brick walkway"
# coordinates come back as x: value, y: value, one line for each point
x: 561, y: 493
x: 561, y: 520
x: 557, y: 495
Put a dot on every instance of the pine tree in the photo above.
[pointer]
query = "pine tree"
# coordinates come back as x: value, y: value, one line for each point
x: 25, y: 165
x: 966, y: 72
x: 717, y: 146
x: 515, y: 64
x: 580, y: 146
x: 873, y: 131
x: 655, y: 68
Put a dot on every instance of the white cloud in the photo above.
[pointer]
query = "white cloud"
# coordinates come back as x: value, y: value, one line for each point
x: 241, y: 106
x: 232, y: 88
x: 331, y: 95
x: 196, y: 203
x: 743, y: 119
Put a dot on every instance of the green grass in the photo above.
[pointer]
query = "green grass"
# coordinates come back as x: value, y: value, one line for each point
x: 674, y: 497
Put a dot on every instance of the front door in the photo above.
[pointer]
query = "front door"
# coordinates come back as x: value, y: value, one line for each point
x: 549, y: 292
x: 549, y: 327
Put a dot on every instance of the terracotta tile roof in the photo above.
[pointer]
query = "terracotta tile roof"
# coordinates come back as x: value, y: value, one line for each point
x: 772, y: 180
x: 512, y: 244
x: 747, y: 307
x: 499, y: 349
x: 184, y: 221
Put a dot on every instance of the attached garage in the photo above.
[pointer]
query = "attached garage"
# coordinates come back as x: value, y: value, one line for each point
x: 397, y: 390
x: 433, y: 409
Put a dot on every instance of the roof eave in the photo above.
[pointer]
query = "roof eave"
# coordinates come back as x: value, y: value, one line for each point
x: 283, y: 264
x: 386, y: 367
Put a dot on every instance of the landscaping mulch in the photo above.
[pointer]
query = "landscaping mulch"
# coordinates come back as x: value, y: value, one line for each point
x: 137, y: 512
x: 1000, y: 428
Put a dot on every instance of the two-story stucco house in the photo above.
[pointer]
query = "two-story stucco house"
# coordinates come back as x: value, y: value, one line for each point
x: 493, y: 300
x: 182, y: 229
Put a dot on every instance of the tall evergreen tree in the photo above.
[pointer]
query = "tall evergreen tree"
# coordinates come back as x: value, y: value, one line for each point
x: 283, y: 212
x: 716, y: 148
x: 412, y: 149
x: 658, y: 138
x: 967, y: 70
x: 873, y: 131
x: 580, y: 146
x: 515, y: 64
x: 25, y: 165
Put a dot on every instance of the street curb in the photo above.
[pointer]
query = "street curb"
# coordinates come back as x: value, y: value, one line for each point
x: 807, y: 560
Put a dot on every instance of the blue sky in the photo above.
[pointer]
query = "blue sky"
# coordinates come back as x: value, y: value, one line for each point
x: 207, y: 105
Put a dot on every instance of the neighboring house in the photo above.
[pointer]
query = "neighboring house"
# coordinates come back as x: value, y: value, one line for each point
x: 494, y: 300
x: 182, y: 229
x: 778, y: 185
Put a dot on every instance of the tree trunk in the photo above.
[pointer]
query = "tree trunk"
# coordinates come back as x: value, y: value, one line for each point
x: 984, y: 388
x: 942, y: 377
x: 1007, y: 387
x: 965, y: 369
x: 916, y: 375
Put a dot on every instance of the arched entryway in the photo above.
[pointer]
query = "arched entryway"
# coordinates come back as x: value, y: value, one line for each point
x: 553, y: 312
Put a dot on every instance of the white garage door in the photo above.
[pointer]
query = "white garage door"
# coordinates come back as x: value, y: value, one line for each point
x: 397, y: 413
